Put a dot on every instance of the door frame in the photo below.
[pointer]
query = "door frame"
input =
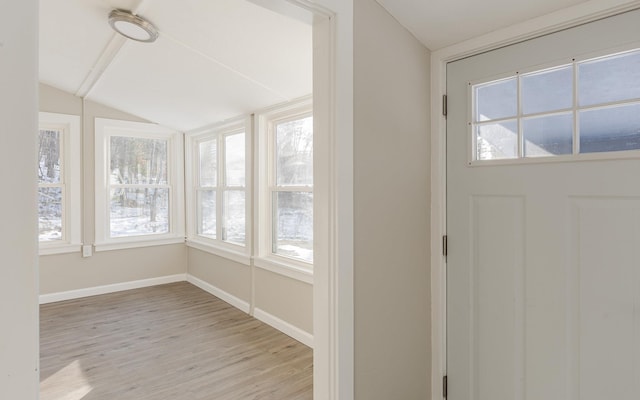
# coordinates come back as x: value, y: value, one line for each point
x: 333, y: 347
x: 546, y: 24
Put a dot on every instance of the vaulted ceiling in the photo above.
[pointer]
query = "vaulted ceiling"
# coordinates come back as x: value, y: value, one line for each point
x: 218, y: 59
x: 213, y: 60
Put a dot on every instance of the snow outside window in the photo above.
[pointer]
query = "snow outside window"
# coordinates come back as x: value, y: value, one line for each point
x: 583, y: 107
x: 138, y: 185
x: 218, y: 202
x: 59, y: 183
x: 291, y: 187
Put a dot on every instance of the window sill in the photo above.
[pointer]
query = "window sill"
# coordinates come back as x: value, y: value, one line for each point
x: 285, y: 267
x: 63, y: 248
x: 132, y: 244
x: 231, y: 254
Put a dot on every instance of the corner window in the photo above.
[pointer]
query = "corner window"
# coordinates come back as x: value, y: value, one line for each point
x: 583, y: 107
x: 285, y: 200
x: 59, y: 183
x: 217, y: 166
x: 138, y: 184
x: 291, y: 188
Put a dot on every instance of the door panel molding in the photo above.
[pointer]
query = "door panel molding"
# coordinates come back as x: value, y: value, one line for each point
x: 562, y: 19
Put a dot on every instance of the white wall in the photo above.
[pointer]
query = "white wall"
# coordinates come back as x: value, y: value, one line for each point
x: 66, y: 272
x: 18, y: 229
x: 391, y: 207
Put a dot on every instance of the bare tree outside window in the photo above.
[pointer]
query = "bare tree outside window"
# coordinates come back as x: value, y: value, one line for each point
x: 292, y: 199
x: 221, y: 190
x: 50, y: 185
x: 139, y: 191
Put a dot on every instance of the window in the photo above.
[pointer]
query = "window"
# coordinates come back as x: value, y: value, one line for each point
x: 59, y: 183
x: 286, y: 187
x: 217, y: 167
x: 291, y: 188
x: 588, y: 106
x: 138, y: 185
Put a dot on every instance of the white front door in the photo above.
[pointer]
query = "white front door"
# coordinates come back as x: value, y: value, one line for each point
x: 543, y: 218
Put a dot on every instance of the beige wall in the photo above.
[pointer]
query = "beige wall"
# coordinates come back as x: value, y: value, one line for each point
x: 226, y: 275
x: 63, y: 272
x: 18, y: 229
x: 391, y: 208
x: 287, y: 299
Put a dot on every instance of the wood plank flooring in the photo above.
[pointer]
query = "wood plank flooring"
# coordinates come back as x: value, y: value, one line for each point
x: 171, y: 341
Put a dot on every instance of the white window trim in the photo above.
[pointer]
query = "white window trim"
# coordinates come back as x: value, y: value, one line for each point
x: 240, y: 257
x: 71, y: 154
x: 104, y: 128
x: 264, y: 257
x: 289, y: 267
x: 572, y: 62
x: 234, y: 252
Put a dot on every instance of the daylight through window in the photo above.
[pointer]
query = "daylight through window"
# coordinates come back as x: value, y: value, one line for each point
x: 138, y: 184
x: 292, y: 188
x: 58, y: 166
x: 139, y: 188
x: 221, y: 186
x: 51, y: 185
x: 590, y: 106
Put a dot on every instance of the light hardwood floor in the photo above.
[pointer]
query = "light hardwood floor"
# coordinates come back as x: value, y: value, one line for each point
x: 171, y: 341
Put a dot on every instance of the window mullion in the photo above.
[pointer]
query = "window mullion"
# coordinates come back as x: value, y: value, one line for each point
x: 576, y: 123
x: 137, y: 185
x: 291, y: 189
x: 520, y: 152
x: 51, y: 185
x: 220, y: 222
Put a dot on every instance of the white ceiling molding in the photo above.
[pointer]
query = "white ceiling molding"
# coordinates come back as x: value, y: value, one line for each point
x: 106, y: 58
x: 227, y: 67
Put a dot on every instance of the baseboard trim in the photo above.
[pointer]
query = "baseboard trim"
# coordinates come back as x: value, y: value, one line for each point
x: 112, y: 288
x: 219, y: 293
x: 284, y: 327
x: 269, y: 319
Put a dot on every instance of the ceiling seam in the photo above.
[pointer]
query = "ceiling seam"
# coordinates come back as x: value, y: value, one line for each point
x: 225, y: 66
x: 106, y: 57
x: 111, y: 50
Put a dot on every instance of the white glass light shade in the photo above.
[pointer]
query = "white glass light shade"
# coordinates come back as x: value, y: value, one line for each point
x: 132, y: 26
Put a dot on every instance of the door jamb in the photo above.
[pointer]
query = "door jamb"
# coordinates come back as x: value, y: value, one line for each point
x: 554, y: 22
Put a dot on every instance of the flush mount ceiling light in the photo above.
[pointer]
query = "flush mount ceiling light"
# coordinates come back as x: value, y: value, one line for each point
x: 132, y: 26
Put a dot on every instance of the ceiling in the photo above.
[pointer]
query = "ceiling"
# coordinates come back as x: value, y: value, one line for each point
x: 440, y: 23
x: 213, y: 60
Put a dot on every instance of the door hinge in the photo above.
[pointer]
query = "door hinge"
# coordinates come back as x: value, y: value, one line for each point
x: 445, y: 246
x: 444, y: 386
x: 444, y: 105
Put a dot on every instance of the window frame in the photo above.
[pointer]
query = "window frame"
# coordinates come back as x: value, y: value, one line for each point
x: 219, y: 133
x: 104, y: 129
x: 574, y: 110
x: 69, y: 125
x: 266, y: 185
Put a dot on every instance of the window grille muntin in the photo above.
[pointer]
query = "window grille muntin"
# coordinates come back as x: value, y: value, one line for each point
x: 517, y: 116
